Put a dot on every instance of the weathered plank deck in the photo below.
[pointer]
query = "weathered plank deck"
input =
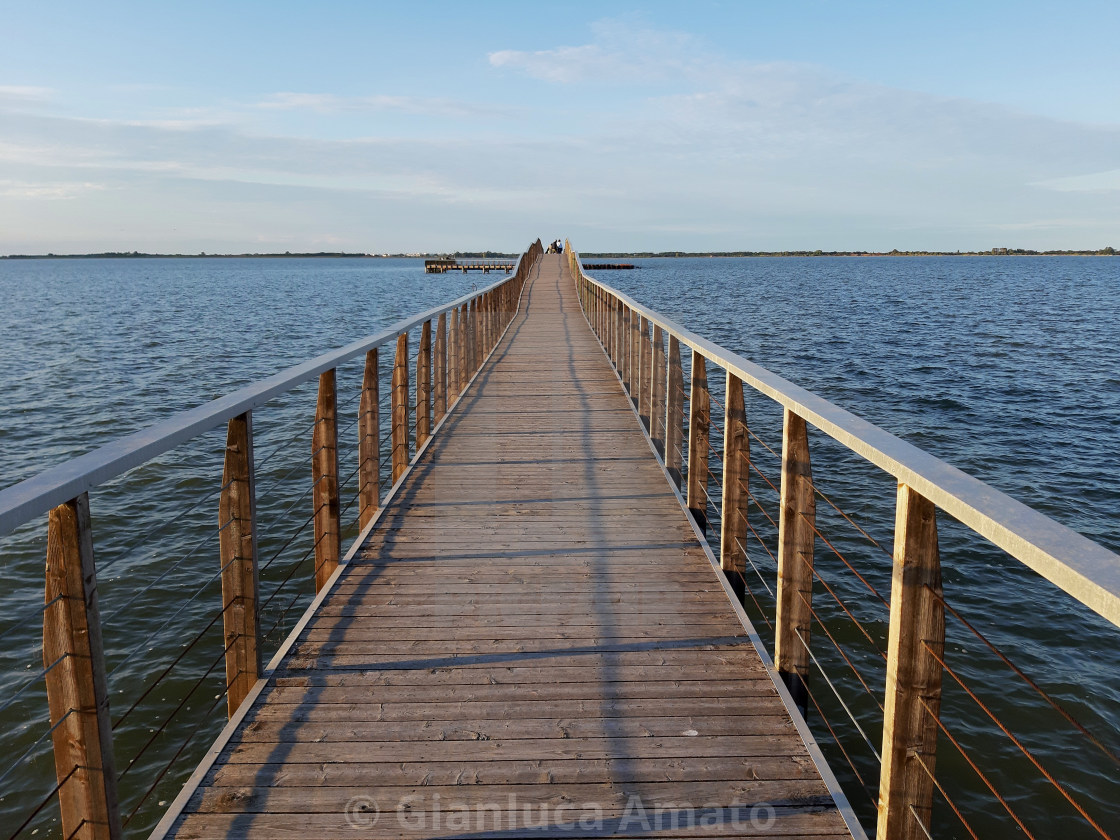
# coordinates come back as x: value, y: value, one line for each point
x: 531, y: 643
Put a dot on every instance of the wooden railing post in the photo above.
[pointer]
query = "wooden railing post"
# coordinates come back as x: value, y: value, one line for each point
x: 369, y: 442
x: 476, y: 341
x: 699, y: 420
x: 464, y: 342
x: 674, y: 413
x: 913, y: 697
x: 439, y: 388
x: 489, y: 322
x: 657, y: 393
x: 324, y: 478
x: 483, y: 326
x: 399, y: 403
x: 77, y: 692
x: 453, y: 348
x: 645, y: 365
x: 424, y: 386
x: 733, y: 508
x: 609, y: 318
x: 624, y: 344
x: 600, y: 313
x: 237, y: 543
x: 635, y: 357
x: 619, y: 338
x: 796, y: 521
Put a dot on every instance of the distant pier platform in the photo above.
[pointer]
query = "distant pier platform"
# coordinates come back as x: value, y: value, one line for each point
x: 485, y: 266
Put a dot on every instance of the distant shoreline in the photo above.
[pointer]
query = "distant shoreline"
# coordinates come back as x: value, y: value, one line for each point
x: 995, y: 252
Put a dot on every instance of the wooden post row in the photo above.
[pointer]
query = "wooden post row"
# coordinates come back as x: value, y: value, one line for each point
x: 324, y: 477
x: 399, y: 408
x: 699, y: 420
x: 913, y: 697
x: 77, y: 691
x: 369, y: 442
x: 796, y: 521
x: 237, y: 543
x: 424, y: 386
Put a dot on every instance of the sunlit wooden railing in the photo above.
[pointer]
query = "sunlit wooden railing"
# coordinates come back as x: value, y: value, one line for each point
x: 452, y: 343
x: 645, y: 349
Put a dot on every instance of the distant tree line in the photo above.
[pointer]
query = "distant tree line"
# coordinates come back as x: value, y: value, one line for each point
x: 1102, y: 252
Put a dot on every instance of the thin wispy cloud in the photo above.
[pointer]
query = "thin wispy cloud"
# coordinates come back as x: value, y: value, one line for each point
x: 19, y: 96
x: 621, y: 53
x: 1093, y: 182
x: 329, y: 103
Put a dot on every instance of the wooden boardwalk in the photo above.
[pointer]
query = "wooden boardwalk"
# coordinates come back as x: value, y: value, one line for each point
x: 531, y: 643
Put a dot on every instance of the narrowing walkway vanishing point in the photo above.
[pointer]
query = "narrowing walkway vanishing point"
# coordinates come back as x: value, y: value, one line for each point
x: 531, y: 642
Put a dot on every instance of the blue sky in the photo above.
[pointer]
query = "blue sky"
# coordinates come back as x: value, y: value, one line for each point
x: 445, y: 126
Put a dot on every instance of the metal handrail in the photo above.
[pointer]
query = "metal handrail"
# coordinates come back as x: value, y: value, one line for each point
x: 1081, y: 567
x: 37, y: 495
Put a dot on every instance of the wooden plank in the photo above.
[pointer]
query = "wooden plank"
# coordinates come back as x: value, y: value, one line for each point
x: 358, y: 694
x: 458, y: 728
x: 495, y: 823
x: 237, y: 548
x: 424, y: 385
x: 796, y: 536
x: 330, y: 799
x: 913, y: 697
x: 324, y: 478
x: 681, y: 746
x: 399, y: 409
x: 699, y: 420
x: 585, y: 771
x: 77, y: 696
x: 697, y: 709
x: 369, y: 442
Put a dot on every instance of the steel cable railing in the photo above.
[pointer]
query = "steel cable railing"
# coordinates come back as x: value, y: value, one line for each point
x: 857, y: 655
x: 156, y: 726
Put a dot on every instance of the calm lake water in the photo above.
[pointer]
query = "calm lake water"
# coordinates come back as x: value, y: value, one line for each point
x: 1008, y: 368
